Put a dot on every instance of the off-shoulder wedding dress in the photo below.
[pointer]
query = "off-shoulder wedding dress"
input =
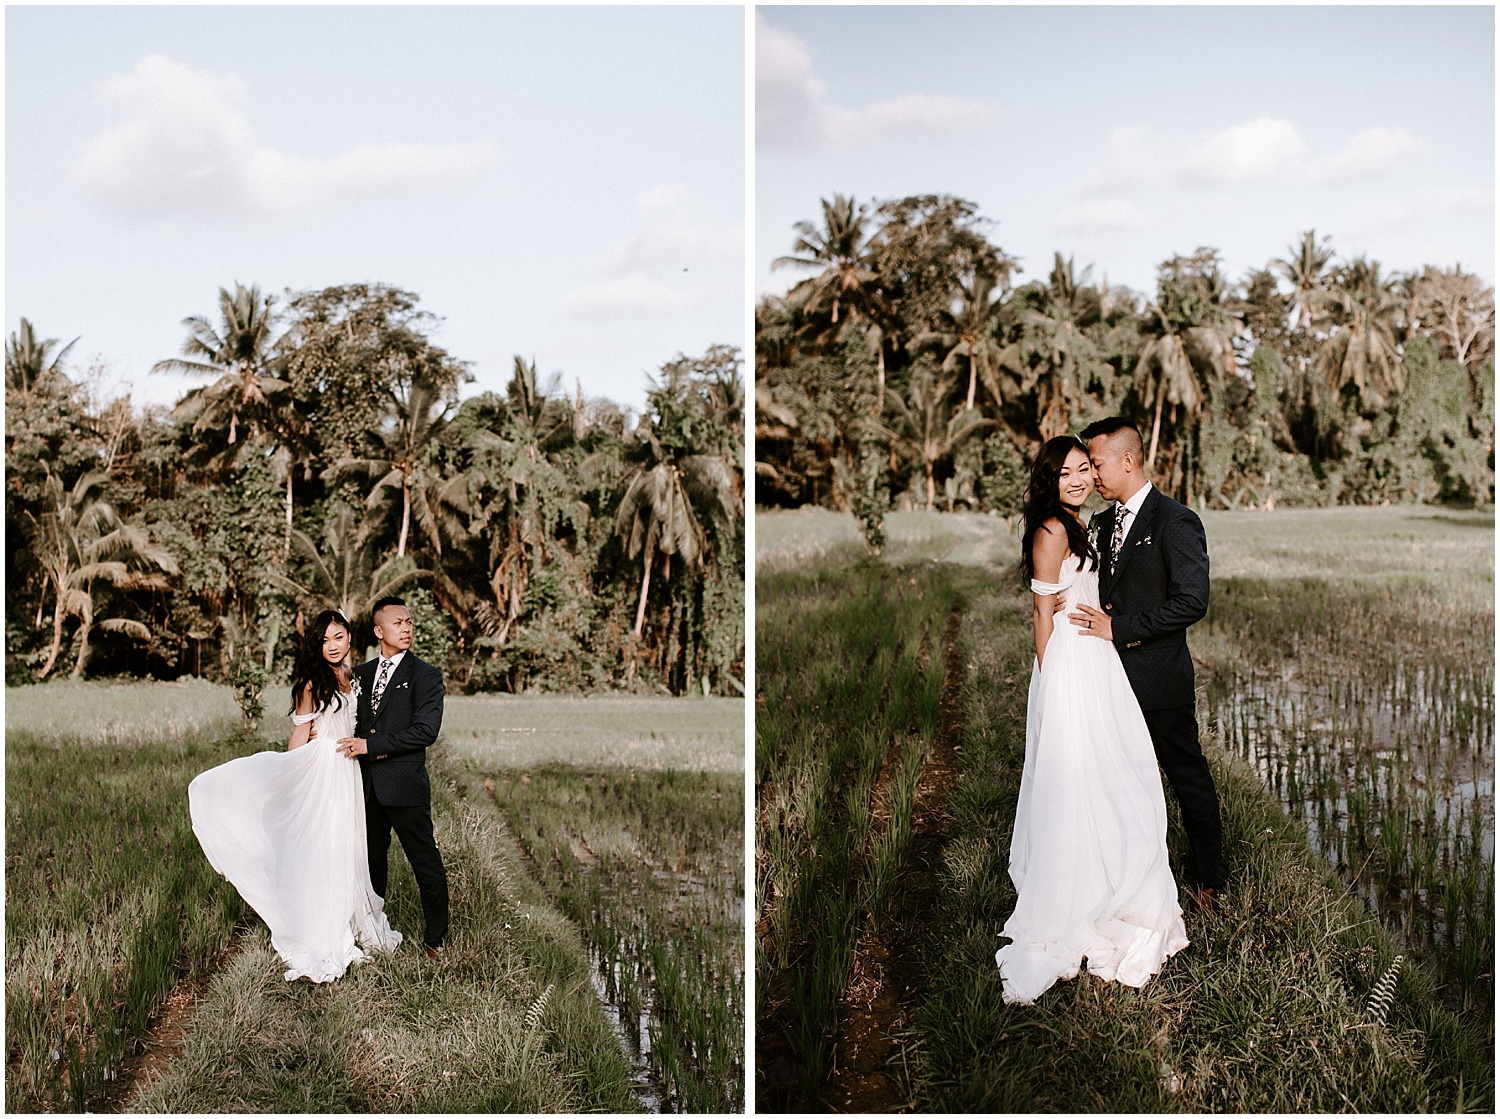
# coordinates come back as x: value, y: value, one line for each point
x: 287, y: 828
x: 1089, y: 852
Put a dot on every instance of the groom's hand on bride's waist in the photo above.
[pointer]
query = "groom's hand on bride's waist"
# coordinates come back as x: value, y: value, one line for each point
x: 1093, y: 622
x: 352, y: 747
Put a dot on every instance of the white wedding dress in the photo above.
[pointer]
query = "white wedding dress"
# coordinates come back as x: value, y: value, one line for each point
x: 287, y: 828
x: 1089, y: 852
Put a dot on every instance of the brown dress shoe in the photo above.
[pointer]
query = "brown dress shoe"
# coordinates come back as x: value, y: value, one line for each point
x: 1205, y: 898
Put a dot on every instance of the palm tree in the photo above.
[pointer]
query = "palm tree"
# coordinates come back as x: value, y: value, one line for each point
x: 79, y: 540
x: 399, y: 463
x: 1176, y: 365
x: 537, y: 415
x: 924, y: 430
x: 1361, y: 353
x: 1457, y: 309
x: 1304, y: 268
x: 838, y: 249
x: 1062, y: 356
x: 518, y: 484
x: 1189, y: 346
x: 968, y: 331
x: 656, y: 511
x: 29, y: 362
x: 238, y: 352
x: 346, y: 574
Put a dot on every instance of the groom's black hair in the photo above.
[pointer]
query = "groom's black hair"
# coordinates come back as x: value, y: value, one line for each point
x: 382, y: 603
x: 1111, y: 424
x: 1108, y: 426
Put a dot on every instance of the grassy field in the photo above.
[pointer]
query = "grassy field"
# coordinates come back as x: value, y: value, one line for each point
x: 109, y: 902
x: 511, y: 1019
x: 651, y: 867
x: 630, y: 813
x: 1289, y: 967
x: 628, y: 732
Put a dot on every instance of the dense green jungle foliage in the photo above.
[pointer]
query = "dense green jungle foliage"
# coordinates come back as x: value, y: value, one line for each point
x: 540, y: 540
x: 909, y: 371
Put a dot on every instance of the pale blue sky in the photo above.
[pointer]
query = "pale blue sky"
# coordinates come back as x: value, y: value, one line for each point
x: 1123, y: 135
x: 563, y: 182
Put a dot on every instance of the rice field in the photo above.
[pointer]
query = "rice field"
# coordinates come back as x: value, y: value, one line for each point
x: 650, y: 866
x: 117, y: 713
x: 800, y: 539
x: 108, y: 903
x: 646, y: 732
x: 700, y: 733
x: 1346, y: 674
x: 849, y: 673
x: 1364, y: 698
x: 111, y: 904
x: 630, y: 811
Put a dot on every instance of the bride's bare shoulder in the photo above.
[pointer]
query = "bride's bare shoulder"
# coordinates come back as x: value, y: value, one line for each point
x: 303, y: 699
x: 1051, y: 538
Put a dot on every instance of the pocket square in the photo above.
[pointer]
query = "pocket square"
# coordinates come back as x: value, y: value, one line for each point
x: 402, y: 684
x: 1138, y: 543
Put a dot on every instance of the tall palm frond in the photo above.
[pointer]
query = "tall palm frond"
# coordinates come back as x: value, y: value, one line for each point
x: 29, y: 361
x: 838, y: 250
x: 79, y: 540
x: 238, y: 353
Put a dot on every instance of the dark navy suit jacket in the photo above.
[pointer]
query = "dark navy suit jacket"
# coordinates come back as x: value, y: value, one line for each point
x: 411, y: 714
x: 1158, y: 588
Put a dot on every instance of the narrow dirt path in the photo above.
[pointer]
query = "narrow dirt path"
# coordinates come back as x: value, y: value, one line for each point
x: 887, y: 979
x: 167, y: 1030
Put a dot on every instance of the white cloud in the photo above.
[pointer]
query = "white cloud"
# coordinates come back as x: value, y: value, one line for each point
x: 1112, y: 215
x: 1256, y: 149
x: 791, y: 113
x: 1261, y: 149
x: 1423, y: 208
x: 1367, y: 154
x: 1242, y: 153
x: 672, y: 261
x: 182, y: 146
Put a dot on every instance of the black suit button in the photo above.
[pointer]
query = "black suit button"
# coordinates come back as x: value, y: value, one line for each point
x: 1109, y: 606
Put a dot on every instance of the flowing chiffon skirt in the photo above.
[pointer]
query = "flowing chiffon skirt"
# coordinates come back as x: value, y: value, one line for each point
x: 1088, y: 854
x: 287, y: 828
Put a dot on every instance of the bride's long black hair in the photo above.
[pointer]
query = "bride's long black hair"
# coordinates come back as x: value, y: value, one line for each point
x: 1043, y: 503
x: 312, y: 667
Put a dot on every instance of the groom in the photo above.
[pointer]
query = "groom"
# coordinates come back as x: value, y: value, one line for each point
x: 400, y: 711
x: 1154, y: 584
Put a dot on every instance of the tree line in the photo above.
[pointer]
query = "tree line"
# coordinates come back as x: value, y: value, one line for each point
x: 540, y: 539
x: 910, y: 369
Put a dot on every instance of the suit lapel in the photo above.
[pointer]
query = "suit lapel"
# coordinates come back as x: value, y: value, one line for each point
x: 399, y: 677
x: 1137, y: 531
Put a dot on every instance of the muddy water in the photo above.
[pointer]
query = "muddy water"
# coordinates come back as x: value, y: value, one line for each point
x: 633, y: 1034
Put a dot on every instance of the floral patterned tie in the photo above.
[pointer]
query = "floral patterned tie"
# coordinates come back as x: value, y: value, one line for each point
x: 1117, y: 540
x: 379, y: 691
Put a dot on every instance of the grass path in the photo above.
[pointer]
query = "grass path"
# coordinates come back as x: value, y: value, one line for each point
x: 507, y: 1020
x: 1270, y: 1008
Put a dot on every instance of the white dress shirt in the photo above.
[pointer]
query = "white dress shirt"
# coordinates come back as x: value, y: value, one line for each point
x: 390, y: 674
x: 1125, y: 511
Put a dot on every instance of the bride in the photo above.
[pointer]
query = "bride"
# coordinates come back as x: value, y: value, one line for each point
x: 1088, y: 855
x: 288, y: 829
